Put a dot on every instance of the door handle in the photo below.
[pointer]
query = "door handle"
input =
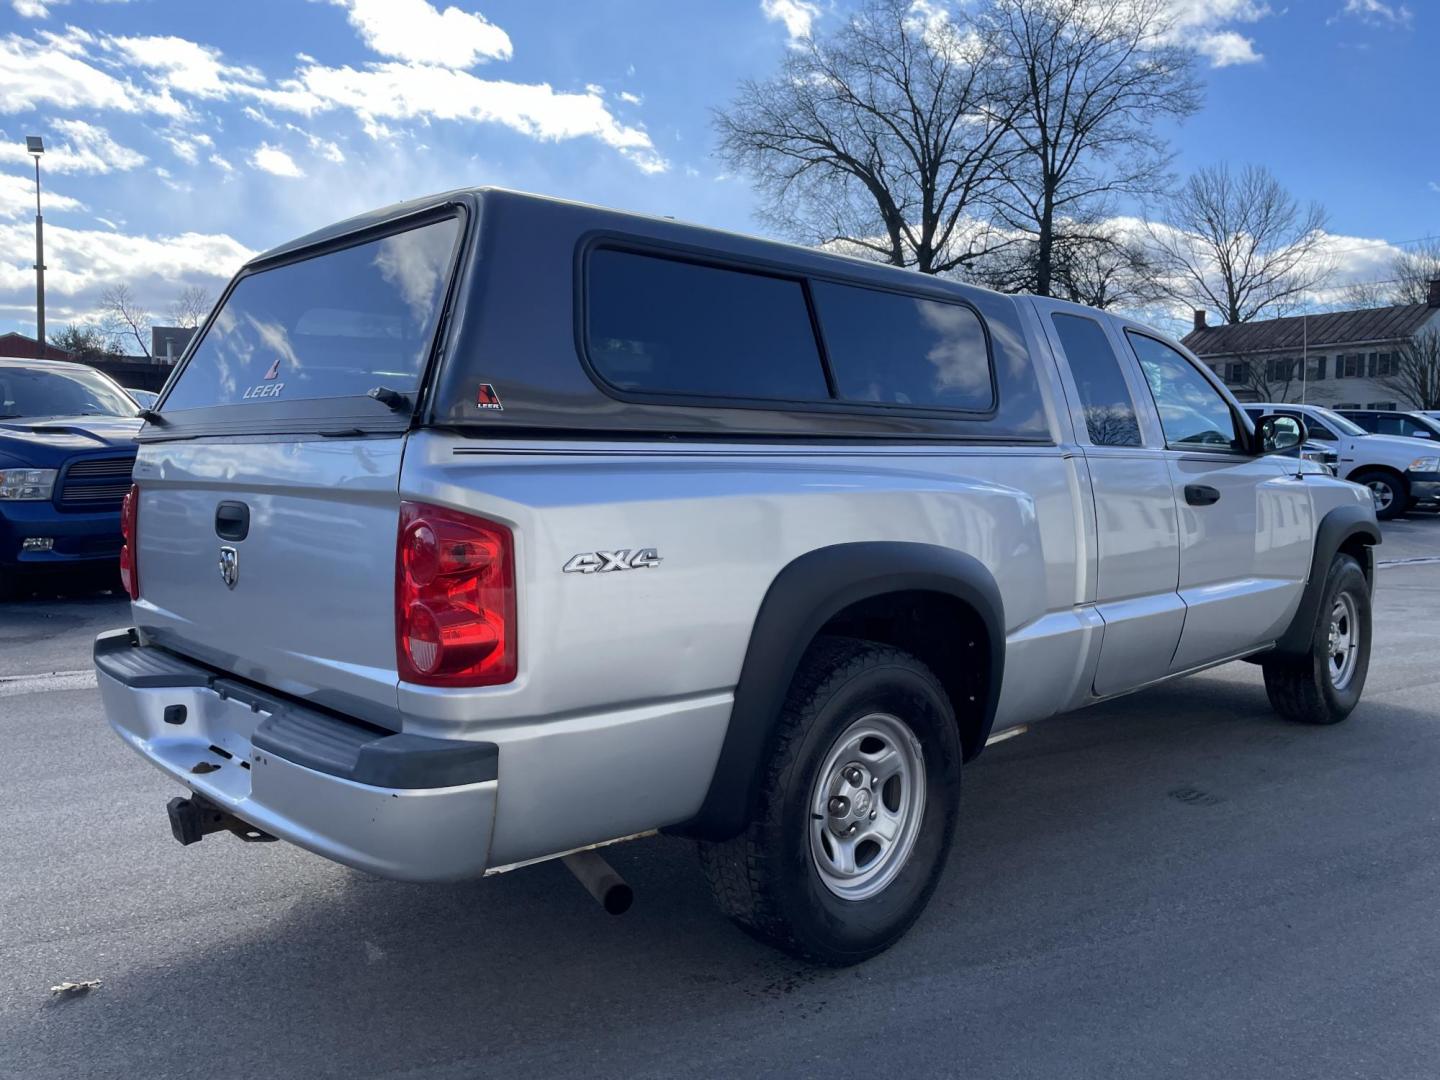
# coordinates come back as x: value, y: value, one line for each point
x: 1201, y: 494
x: 232, y: 521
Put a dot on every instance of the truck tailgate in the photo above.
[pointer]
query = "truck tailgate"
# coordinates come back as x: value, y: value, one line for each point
x: 307, y: 606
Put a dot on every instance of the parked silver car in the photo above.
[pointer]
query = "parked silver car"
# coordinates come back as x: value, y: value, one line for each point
x: 489, y: 528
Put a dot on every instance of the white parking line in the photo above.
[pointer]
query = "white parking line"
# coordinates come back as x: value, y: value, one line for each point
x: 14, y: 685
x: 1418, y: 560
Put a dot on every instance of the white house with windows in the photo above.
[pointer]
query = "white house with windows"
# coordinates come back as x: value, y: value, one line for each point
x: 1345, y: 354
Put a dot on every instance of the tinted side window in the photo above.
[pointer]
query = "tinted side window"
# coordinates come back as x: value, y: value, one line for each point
x: 1192, y: 412
x: 334, y: 325
x: 1109, y: 408
x: 1370, y: 424
x: 661, y: 325
x: 903, y: 350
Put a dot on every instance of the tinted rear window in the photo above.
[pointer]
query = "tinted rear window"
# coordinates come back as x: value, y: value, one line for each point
x: 335, y: 325
x: 1104, y: 394
x: 904, y: 350
x: 658, y: 325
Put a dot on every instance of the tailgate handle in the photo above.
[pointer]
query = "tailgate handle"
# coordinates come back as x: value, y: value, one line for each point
x: 232, y: 521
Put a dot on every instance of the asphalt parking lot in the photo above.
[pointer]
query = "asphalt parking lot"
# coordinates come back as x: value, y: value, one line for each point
x: 1175, y: 883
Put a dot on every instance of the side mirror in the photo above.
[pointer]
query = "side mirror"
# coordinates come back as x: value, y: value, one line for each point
x: 1279, y: 434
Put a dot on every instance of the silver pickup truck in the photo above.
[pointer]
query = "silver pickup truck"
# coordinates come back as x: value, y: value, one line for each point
x: 490, y: 528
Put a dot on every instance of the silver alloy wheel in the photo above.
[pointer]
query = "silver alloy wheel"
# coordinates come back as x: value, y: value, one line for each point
x: 866, y: 806
x: 1383, y: 494
x: 1343, y: 642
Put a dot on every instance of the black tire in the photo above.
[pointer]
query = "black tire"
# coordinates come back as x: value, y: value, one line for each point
x: 767, y: 879
x: 9, y: 584
x: 1304, y: 688
x: 1379, y: 481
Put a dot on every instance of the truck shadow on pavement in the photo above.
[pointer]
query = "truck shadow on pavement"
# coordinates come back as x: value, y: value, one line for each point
x: 1189, y: 810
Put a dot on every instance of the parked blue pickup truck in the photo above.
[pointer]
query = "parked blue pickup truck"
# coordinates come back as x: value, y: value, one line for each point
x: 67, y: 445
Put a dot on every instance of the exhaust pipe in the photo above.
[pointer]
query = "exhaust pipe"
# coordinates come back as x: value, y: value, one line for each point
x: 600, y: 880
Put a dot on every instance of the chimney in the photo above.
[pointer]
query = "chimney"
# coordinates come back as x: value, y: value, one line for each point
x: 1200, y: 315
x: 1433, y: 300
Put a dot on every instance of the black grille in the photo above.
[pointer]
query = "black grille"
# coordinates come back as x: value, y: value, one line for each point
x: 98, y: 467
x: 96, y: 483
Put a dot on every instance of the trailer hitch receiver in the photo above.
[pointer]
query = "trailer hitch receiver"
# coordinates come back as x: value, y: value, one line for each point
x: 193, y: 819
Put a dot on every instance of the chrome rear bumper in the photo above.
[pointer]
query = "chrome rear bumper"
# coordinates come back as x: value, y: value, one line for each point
x: 400, y: 806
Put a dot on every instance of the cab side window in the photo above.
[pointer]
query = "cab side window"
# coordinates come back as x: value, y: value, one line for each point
x: 1193, y: 414
x: 1104, y: 395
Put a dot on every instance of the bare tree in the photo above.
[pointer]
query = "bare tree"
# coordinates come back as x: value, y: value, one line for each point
x: 1092, y: 263
x: 1410, y: 274
x: 1413, y: 271
x: 1241, y: 244
x: 1365, y: 294
x: 124, y: 317
x: 1417, y: 375
x: 1272, y: 380
x: 191, y: 306
x: 1092, y: 81
x: 885, y: 139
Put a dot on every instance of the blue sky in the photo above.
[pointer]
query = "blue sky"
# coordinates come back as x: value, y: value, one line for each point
x: 186, y: 134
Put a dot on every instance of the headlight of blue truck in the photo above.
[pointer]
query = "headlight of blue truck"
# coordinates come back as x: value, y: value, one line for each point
x: 1425, y: 464
x: 27, y: 483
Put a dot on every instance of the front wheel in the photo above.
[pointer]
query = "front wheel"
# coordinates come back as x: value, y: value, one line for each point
x: 856, y: 812
x: 1390, y: 492
x: 1324, y: 686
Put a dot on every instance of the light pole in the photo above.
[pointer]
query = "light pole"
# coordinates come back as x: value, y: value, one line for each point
x: 36, y: 146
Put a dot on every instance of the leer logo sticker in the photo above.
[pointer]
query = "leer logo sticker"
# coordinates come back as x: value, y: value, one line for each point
x: 487, y: 398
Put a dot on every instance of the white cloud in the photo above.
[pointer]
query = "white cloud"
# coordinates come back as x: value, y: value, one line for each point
x: 630, y: 99
x: 1204, y: 25
x: 188, y: 145
x: 415, y: 31
x: 80, y: 263
x: 1226, y: 47
x: 324, y: 147
x: 798, y: 16
x: 40, y: 9
x: 81, y: 148
x: 1378, y: 13
x: 166, y: 76
x: 273, y: 160
x: 52, y: 72
x: 407, y: 92
x: 17, y: 198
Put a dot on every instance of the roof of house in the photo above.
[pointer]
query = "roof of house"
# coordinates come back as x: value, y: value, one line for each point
x: 1316, y: 331
x: 21, y: 347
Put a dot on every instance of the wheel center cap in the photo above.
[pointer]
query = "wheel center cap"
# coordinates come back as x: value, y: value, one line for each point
x: 862, y: 802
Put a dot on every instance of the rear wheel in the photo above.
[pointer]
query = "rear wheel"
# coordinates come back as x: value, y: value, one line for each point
x: 1391, y: 493
x: 857, y: 809
x: 1325, y: 686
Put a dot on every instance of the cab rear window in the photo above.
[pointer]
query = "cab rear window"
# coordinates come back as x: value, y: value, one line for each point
x: 334, y: 325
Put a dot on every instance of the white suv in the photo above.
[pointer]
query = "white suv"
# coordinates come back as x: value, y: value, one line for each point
x: 1399, y: 471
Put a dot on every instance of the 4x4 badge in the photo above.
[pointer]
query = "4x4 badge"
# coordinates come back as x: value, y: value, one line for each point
x: 603, y: 562
x: 229, y: 566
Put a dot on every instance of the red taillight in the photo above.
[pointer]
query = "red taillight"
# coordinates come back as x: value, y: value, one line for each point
x: 129, y: 520
x: 454, y: 598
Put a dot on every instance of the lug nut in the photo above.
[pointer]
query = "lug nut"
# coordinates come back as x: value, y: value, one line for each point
x: 854, y: 776
x: 839, y: 806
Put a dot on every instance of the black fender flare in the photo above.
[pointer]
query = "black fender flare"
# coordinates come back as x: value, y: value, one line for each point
x: 1342, y: 524
x: 804, y: 596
